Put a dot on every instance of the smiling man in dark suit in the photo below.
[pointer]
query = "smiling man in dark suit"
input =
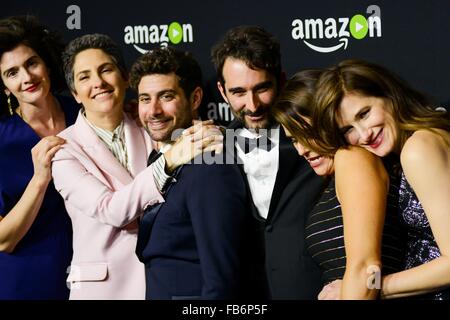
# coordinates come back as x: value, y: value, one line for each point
x: 282, y: 185
x: 191, y: 244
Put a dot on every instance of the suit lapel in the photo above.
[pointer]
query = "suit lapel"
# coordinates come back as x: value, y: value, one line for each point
x: 98, y: 152
x: 137, y: 147
x: 287, y: 163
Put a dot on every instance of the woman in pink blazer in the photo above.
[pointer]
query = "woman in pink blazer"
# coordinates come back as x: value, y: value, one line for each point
x: 102, y: 174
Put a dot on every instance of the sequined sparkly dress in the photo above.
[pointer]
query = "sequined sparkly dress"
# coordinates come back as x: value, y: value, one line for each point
x: 421, y: 246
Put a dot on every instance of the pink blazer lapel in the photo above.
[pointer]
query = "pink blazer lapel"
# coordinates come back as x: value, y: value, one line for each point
x: 138, y: 146
x: 98, y: 152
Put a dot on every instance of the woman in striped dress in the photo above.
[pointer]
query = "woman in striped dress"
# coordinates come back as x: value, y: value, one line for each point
x: 360, y: 196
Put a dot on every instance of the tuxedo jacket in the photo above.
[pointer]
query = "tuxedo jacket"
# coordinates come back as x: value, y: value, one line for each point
x: 281, y: 265
x: 194, y: 249
x: 104, y: 200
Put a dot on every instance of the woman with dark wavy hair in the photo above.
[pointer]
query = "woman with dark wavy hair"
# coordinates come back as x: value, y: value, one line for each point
x: 35, y: 230
x: 364, y: 104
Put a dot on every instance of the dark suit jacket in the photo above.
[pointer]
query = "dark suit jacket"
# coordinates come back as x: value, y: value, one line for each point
x: 290, y: 273
x: 194, y: 248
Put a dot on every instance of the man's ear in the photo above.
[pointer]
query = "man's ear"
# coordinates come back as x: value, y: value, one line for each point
x: 196, y: 98
x: 222, y: 91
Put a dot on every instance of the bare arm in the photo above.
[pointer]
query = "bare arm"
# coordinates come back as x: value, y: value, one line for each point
x: 426, y: 163
x: 18, y: 221
x: 361, y: 187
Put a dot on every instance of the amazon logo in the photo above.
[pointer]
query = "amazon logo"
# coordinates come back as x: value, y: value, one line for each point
x: 142, y: 35
x: 337, y: 31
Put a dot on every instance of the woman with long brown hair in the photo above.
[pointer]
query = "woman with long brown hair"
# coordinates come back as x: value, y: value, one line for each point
x: 360, y: 103
x: 352, y: 233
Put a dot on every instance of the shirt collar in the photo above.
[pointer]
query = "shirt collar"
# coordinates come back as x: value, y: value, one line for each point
x: 273, y: 134
x: 106, y: 135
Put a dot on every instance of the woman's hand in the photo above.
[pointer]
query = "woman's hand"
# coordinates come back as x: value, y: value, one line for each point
x: 42, y: 155
x: 331, y: 291
x: 203, y: 136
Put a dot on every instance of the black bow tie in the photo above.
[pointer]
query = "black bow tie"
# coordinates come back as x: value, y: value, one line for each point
x: 248, y: 144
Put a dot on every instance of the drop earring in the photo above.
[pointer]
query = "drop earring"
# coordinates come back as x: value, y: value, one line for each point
x: 9, y: 105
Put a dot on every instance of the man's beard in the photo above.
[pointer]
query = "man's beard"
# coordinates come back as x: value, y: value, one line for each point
x: 159, y: 136
x: 169, y: 135
x: 266, y: 123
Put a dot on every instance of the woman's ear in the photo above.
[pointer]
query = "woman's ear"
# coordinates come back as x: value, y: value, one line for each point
x: 75, y: 95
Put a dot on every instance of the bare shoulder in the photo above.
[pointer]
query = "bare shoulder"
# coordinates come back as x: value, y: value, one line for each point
x: 424, y: 146
x: 355, y: 164
x: 355, y: 156
x: 359, y: 175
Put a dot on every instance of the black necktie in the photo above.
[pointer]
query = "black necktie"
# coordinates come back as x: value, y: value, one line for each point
x: 248, y: 144
x: 154, y: 155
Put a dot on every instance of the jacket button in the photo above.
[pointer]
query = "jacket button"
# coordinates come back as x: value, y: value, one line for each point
x: 269, y: 228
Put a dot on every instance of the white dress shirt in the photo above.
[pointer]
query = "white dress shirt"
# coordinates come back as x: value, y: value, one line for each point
x: 261, y: 167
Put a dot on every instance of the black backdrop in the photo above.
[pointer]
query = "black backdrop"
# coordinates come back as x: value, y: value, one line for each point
x: 410, y: 37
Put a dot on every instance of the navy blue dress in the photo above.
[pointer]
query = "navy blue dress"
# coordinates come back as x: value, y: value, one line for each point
x: 37, y: 267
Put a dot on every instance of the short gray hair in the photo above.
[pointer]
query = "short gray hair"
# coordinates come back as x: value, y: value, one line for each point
x: 91, y: 41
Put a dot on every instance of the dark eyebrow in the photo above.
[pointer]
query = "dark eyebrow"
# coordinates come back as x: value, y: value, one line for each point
x: 343, y: 130
x: 146, y: 95
x: 15, y: 67
x: 81, y: 72
x: 361, y: 111
x: 261, y: 85
x: 8, y: 70
x: 236, y: 89
x: 32, y: 58
x: 264, y: 85
x: 163, y: 92
x: 106, y: 64
x: 98, y: 68
x: 160, y: 93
